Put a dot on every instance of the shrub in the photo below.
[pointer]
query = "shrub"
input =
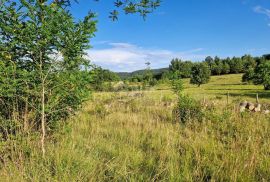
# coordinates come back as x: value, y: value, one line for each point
x: 177, y: 86
x: 187, y: 110
x: 153, y: 82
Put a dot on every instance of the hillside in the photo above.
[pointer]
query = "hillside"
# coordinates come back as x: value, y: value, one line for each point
x: 125, y: 75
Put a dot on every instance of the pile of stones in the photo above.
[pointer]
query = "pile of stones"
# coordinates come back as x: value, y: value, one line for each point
x: 249, y: 106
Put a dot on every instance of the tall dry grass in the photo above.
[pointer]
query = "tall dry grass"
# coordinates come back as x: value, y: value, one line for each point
x: 129, y: 137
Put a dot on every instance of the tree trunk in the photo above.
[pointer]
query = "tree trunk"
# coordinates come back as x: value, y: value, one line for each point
x: 25, y: 124
x: 43, y: 118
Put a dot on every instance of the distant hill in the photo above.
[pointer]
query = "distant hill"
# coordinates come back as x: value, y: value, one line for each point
x: 125, y: 75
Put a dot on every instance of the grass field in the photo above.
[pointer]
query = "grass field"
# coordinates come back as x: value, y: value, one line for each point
x: 131, y: 137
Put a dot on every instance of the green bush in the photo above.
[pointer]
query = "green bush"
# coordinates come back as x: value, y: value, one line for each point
x: 177, y: 86
x: 187, y: 110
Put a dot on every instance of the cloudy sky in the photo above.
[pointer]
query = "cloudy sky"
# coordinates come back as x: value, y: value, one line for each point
x: 186, y: 29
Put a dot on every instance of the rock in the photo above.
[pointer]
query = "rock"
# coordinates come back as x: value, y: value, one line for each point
x: 250, y: 106
x: 257, y: 108
x: 242, y: 109
x: 243, y: 104
x: 266, y: 112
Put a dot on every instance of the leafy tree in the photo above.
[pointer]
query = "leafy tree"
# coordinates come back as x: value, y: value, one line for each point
x: 236, y: 65
x: 141, y: 7
x: 225, y: 68
x: 200, y: 74
x: 248, y: 62
x: 217, y: 66
x: 210, y: 61
x: 248, y: 76
x: 262, y: 75
x: 100, y: 79
x: 249, y: 66
x: 180, y: 69
x: 41, y: 58
x: 34, y: 34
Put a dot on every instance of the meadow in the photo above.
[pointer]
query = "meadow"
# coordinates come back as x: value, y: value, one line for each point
x: 132, y: 136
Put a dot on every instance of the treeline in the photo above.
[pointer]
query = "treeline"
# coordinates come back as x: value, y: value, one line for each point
x: 255, y: 70
x: 217, y: 66
x: 127, y: 75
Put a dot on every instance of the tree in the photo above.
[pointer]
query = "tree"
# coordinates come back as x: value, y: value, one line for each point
x: 248, y: 76
x: 180, y: 69
x: 225, y: 68
x: 248, y: 62
x: 236, y: 65
x: 217, y: 66
x: 210, y: 61
x: 249, y: 65
x: 141, y: 7
x: 200, y: 74
x: 262, y: 75
x: 100, y: 78
x: 41, y: 58
x: 35, y: 34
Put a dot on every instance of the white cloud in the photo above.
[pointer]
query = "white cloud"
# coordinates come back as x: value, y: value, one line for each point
x: 129, y: 57
x: 259, y: 9
x: 262, y: 10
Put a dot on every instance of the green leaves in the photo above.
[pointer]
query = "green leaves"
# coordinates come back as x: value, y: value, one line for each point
x: 42, y: 48
x: 200, y: 74
x: 261, y: 75
x: 142, y: 7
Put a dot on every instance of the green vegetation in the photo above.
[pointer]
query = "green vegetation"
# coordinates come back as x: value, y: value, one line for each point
x: 37, y: 87
x: 200, y: 74
x: 63, y: 119
x: 258, y: 72
x: 128, y: 136
x: 262, y: 75
x: 252, y: 67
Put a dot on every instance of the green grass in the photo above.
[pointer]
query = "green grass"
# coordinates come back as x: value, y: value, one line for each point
x: 122, y: 137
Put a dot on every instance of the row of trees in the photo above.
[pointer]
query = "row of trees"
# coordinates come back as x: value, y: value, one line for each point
x: 255, y: 69
x: 101, y: 78
x: 217, y: 66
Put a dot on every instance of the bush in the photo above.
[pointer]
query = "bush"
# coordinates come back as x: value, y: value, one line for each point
x: 153, y: 82
x: 177, y: 86
x: 187, y: 110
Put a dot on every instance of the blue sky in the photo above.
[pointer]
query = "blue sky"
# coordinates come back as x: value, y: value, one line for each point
x: 187, y: 29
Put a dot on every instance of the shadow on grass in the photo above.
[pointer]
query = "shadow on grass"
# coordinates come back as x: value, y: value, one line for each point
x: 255, y: 90
x: 226, y: 84
x: 262, y: 94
